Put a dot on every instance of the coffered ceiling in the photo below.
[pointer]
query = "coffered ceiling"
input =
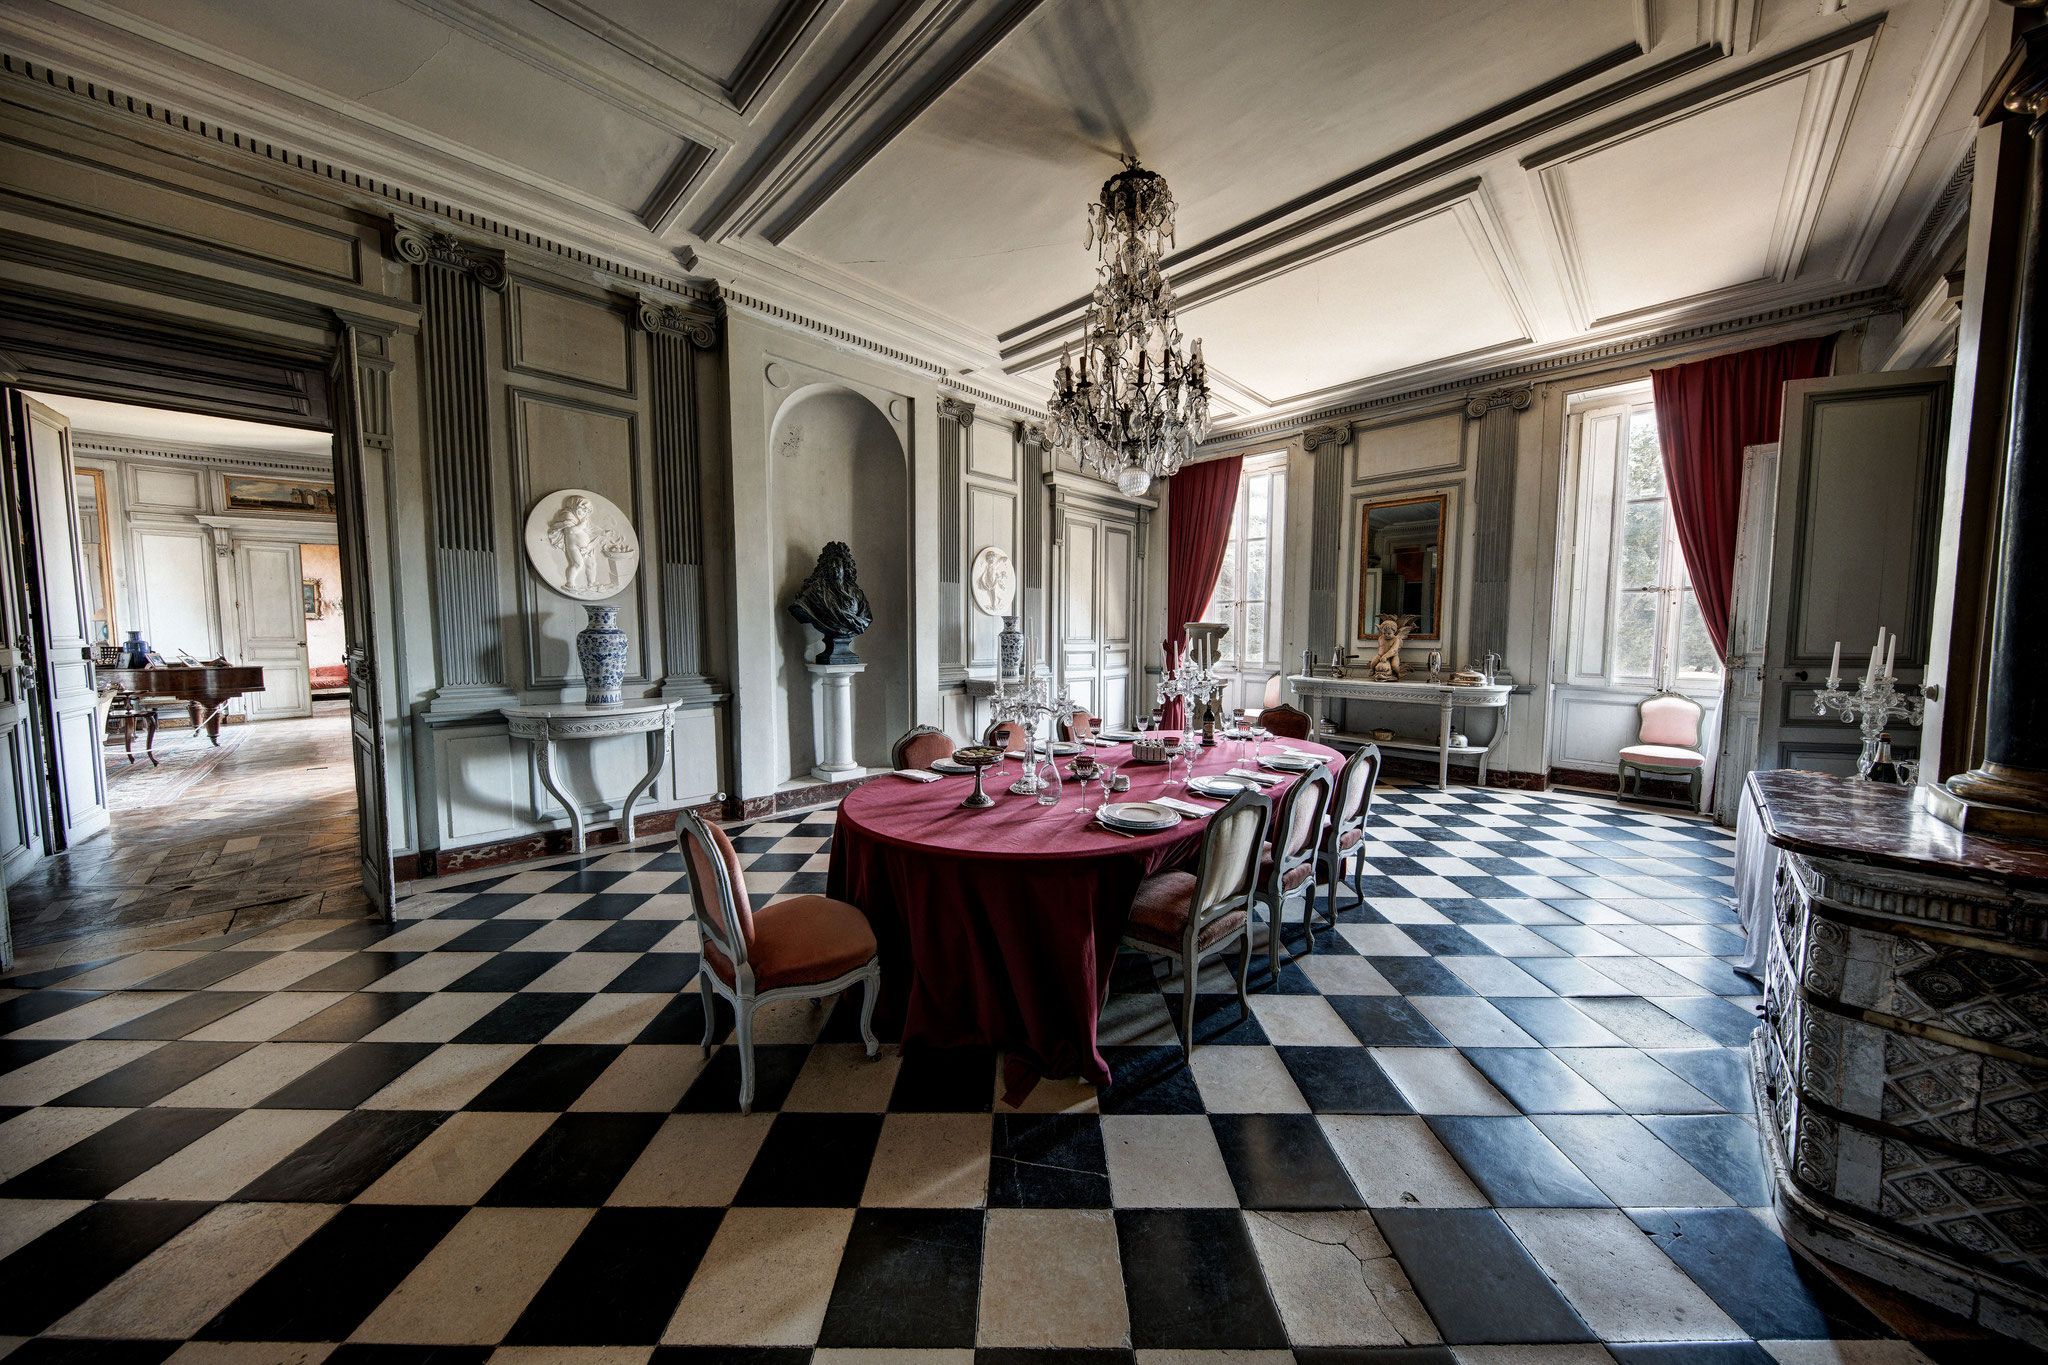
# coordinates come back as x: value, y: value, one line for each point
x: 1374, y: 195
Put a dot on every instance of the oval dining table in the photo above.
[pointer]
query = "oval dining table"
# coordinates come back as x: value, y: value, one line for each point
x: 999, y: 927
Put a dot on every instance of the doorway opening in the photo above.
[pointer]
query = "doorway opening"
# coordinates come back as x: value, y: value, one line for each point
x: 183, y: 764
x: 1630, y: 628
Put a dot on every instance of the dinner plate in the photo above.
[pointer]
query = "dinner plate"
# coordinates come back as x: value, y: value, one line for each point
x: 1221, y: 784
x: 1289, y: 763
x: 1061, y: 748
x: 947, y: 765
x: 1144, y: 816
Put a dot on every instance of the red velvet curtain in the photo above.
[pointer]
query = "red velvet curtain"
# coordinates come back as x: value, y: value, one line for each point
x: 1199, y: 502
x: 1707, y: 412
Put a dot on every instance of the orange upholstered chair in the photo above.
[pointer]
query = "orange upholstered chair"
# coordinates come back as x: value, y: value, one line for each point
x: 919, y: 746
x: 1667, y: 744
x: 1350, y: 808
x: 1083, y: 727
x: 804, y: 947
x: 1286, y: 722
x: 1289, y: 867
x: 1009, y: 736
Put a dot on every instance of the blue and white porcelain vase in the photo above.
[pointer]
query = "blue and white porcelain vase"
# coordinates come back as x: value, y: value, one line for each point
x: 1009, y: 651
x: 135, y: 653
x: 601, y: 649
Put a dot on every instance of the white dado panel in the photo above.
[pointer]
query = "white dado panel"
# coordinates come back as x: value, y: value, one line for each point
x: 1624, y: 212
x: 1426, y: 288
x: 482, y: 785
x: 1428, y: 445
x: 566, y: 337
x: 153, y: 488
x: 992, y: 452
x: 177, y: 591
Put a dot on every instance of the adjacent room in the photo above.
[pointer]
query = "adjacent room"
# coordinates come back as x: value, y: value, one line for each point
x: 1023, y: 682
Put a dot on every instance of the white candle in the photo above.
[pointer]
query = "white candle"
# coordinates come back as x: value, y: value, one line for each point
x: 1876, y: 652
x: 1891, y: 653
x: 1835, y: 667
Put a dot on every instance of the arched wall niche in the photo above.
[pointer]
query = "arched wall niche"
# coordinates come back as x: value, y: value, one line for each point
x: 838, y: 470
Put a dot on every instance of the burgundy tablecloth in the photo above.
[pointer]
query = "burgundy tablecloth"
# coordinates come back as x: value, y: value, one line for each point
x: 1000, y: 926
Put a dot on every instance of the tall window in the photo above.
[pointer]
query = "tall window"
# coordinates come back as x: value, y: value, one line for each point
x: 1638, y: 623
x: 1247, y: 596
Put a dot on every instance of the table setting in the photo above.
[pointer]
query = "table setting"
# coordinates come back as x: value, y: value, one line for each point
x: 998, y: 919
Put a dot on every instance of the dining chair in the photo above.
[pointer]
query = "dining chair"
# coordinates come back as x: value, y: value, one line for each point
x: 1010, y: 736
x: 1667, y: 745
x: 1344, y: 831
x: 1286, y: 722
x: 1082, y: 726
x: 919, y: 745
x: 1289, y: 866
x: 801, y: 948
x: 1188, y: 916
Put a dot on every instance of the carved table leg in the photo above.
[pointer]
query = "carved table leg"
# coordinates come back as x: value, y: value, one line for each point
x: 657, y: 743
x: 547, y: 779
x: 1443, y: 749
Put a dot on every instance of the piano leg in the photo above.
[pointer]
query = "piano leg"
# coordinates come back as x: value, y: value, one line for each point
x: 214, y: 707
x: 149, y: 738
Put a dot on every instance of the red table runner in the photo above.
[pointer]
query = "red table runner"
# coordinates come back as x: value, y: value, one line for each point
x: 1000, y: 926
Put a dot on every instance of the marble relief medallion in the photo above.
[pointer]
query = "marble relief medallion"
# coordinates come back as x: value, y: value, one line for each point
x: 992, y: 581
x: 581, y: 544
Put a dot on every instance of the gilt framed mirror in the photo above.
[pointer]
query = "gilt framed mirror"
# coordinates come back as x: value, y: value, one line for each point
x: 1401, y: 563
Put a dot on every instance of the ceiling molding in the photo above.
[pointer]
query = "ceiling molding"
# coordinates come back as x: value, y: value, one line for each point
x: 770, y: 311
x: 98, y: 445
x: 778, y: 40
x: 1949, y: 211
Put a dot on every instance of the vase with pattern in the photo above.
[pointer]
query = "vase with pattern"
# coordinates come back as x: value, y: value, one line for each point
x: 601, y: 649
x: 1009, y: 651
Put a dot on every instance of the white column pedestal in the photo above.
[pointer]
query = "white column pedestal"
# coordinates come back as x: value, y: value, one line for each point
x: 832, y: 720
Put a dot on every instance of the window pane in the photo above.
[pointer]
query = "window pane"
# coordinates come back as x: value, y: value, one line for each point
x: 1642, y: 544
x: 1255, y: 630
x: 1695, y: 649
x: 1635, y: 635
x: 1260, y: 490
x: 1226, y: 583
x: 1645, y: 474
x: 1255, y: 571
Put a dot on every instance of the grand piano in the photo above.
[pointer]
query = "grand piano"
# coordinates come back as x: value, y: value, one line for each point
x: 205, y: 688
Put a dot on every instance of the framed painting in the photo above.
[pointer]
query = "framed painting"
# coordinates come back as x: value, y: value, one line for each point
x: 254, y: 493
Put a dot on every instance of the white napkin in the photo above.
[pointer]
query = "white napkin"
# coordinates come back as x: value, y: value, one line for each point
x: 1263, y: 779
x: 1184, y: 807
x: 919, y: 774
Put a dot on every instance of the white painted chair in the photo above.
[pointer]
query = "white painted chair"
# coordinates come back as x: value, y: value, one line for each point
x: 1667, y: 744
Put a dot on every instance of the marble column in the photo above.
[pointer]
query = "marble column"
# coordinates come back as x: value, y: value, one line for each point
x: 675, y: 333
x: 832, y: 721
x: 453, y: 277
x: 1493, y: 504
x: 1326, y: 626
x: 2008, y: 792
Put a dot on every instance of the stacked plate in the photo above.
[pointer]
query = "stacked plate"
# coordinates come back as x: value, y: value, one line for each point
x: 1289, y: 762
x: 1220, y: 785
x: 947, y: 765
x: 1138, y: 817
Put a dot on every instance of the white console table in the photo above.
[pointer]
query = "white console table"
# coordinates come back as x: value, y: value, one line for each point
x: 547, y: 725
x: 1443, y: 698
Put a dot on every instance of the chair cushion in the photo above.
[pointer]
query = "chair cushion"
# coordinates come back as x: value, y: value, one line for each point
x: 1351, y: 838
x: 1293, y: 877
x: 800, y: 941
x: 1159, y: 913
x: 1671, y: 720
x: 1662, y: 756
x: 703, y: 884
x: 920, y: 750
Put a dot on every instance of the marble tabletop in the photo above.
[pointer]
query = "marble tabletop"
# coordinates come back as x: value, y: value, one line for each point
x: 1869, y: 822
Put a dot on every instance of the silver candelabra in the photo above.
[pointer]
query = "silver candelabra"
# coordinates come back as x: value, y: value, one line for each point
x: 1189, y: 682
x: 1876, y: 701
x: 1031, y: 700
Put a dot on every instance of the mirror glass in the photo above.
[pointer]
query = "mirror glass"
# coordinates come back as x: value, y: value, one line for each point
x: 98, y: 553
x: 1400, y: 569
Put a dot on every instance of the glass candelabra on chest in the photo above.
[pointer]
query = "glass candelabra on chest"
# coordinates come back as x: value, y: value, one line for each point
x: 1876, y: 701
x: 1192, y: 680
x: 1031, y: 701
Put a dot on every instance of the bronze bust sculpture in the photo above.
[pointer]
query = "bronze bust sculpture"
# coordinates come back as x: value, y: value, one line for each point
x: 831, y: 601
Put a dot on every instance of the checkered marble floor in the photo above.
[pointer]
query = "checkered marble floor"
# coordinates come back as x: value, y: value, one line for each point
x: 1503, y: 1103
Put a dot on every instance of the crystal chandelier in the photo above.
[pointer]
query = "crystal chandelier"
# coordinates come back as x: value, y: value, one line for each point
x: 1138, y: 406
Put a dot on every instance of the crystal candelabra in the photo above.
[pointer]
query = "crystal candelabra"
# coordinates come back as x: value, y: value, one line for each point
x: 1876, y: 701
x: 1030, y: 700
x: 1190, y: 682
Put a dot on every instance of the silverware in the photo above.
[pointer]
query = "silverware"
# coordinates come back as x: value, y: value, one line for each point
x: 1121, y: 833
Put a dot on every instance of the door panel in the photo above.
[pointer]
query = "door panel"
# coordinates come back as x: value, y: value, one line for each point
x: 365, y: 708
x: 77, y: 790
x: 1098, y: 571
x: 1748, y: 617
x: 1854, y: 548
x: 273, y: 624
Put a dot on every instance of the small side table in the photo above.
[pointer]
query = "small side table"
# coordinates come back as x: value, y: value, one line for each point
x: 547, y: 725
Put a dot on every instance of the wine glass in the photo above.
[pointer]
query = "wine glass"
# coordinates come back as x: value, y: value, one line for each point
x: 1260, y: 734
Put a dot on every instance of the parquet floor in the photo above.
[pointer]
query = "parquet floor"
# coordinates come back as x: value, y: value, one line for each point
x: 269, y: 834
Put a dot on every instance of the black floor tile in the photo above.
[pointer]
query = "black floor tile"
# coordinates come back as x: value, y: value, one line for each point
x: 586, y: 882
x: 1342, y: 1080
x: 96, y: 1166
x: 548, y: 1078
x: 717, y: 1087
x: 76, y: 1259
x: 1386, y: 1020
x: 1552, y: 1021
x: 812, y: 1161
x: 352, y: 1016
x: 1193, y: 1282
x: 948, y: 1080
x: 682, y: 1021
x: 506, y: 972
x: 908, y: 1278
x: 331, y: 1281
x: 1723, y: 1147
x: 354, y: 973
x: 83, y: 1351
x: 527, y: 1017
x: 1280, y: 1161
x: 1447, y: 940
x: 631, y: 936
x: 620, y: 1281
x: 181, y: 1017
x: 1048, y: 1161
x: 1514, y: 1164
x: 1374, y: 1355
x: 1418, y: 975
x: 576, y: 1163
x: 1719, y: 1073
x: 491, y: 936
x: 37, y: 1006
x: 1219, y: 1020
x: 1753, y: 1275
x: 1148, y: 1080
x: 652, y: 972
x: 19, y: 1052
x: 1636, y: 1082
x: 351, y: 938
x: 482, y: 906
x: 1690, y: 1353
x: 1537, y: 1082
x: 343, y: 1159
x: 350, y: 1076
x: 607, y: 905
x: 201, y: 972
x: 152, y: 1076
x: 1475, y: 1279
